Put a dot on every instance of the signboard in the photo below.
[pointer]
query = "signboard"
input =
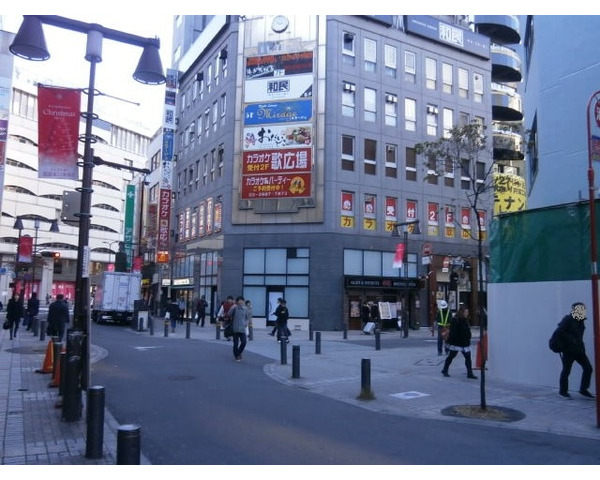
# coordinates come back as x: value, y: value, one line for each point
x: 278, y: 136
x: 287, y: 88
x: 276, y: 186
x: 279, y: 65
x: 280, y: 112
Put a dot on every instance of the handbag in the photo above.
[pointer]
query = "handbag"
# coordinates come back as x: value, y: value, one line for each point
x: 6, y: 325
x: 228, y: 332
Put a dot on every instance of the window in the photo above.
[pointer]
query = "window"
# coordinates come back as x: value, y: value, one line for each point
x: 348, y: 99
x: 347, y: 153
x: 410, y: 67
x: 391, y: 166
x: 448, y: 120
x: 431, y: 169
x: 390, y: 61
x: 206, y: 122
x: 391, y: 110
x: 221, y: 158
x: 430, y: 73
x: 348, y: 53
x: 223, y: 108
x: 411, y: 164
x: 199, y: 128
x: 463, y: 83
x: 463, y: 119
x: 215, y: 115
x: 465, y: 176
x: 370, y: 98
x: 478, y: 87
x: 213, y: 164
x: 370, y: 158
x: 480, y: 172
x: 447, y: 74
x: 209, y: 78
x: 370, y: 52
x: 432, y: 120
x: 410, y: 114
x: 449, y: 173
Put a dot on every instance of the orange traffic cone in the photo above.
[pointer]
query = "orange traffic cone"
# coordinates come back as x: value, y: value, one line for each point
x: 481, y: 351
x: 55, y: 382
x: 47, y: 366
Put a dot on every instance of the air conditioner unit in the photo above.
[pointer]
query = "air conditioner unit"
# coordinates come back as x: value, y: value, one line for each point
x: 348, y: 87
x: 432, y: 110
x: 391, y: 99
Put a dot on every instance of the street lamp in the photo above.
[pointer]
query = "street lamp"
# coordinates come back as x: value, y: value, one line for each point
x: 29, y: 43
x: 406, y: 227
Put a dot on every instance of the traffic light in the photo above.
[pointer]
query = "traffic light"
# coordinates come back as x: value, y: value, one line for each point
x: 56, y: 255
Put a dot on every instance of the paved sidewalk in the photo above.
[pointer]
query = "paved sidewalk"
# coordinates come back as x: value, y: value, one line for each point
x: 405, y: 379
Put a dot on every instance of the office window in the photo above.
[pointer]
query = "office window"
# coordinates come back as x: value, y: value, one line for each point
x: 370, y: 53
x: 391, y: 160
x: 391, y: 110
x: 480, y: 172
x: 206, y: 122
x: 465, y: 176
x: 347, y: 153
x: 410, y: 67
x: 209, y: 78
x: 411, y: 164
x: 430, y: 73
x: 449, y: 172
x: 448, y: 121
x: 370, y: 99
x: 223, y: 108
x: 478, y: 87
x: 432, y: 120
x: 463, y: 119
x: 221, y: 159
x: 215, y: 115
x: 348, y: 99
x: 447, y: 81
x: 370, y: 157
x: 199, y: 128
x: 463, y: 83
x: 390, y: 60
x: 410, y: 114
x: 348, y: 46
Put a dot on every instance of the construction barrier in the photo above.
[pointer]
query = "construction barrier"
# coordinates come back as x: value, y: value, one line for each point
x: 482, y: 349
x: 48, y: 365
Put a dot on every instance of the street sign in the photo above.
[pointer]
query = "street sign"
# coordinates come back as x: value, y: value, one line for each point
x: 427, y: 249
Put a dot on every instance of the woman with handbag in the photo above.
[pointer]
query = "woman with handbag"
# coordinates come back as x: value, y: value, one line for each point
x: 14, y: 314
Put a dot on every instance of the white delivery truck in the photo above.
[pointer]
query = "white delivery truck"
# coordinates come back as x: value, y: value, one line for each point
x: 115, y: 298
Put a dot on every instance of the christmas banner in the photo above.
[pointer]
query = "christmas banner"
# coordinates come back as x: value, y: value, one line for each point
x: 58, y: 132
x: 25, y: 249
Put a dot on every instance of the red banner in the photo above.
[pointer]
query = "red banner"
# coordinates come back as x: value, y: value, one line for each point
x: 164, y: 216
x: 58, y: 132
x: 399, y: 256
x: 25, y: 249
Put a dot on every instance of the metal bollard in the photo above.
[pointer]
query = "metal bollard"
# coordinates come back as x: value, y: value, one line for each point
x: 318, y: 343
x: 377, y: 340
x: 187, y: 329
x: 283, y: 351
x: 56, y: 349
x: 218, y: 334
x: 166, y: 328
x: 250, y: 332
x: 95, y: 422
x: 63, y: 377
x: 43, y: 330
x: 128, y: 445
x: 72, y: 406
x: 345, y: 331
x: 35, y: 323
x: 310, y: 331
x: 296, y: 361
x: 151, y: 324
x: 365, y: 380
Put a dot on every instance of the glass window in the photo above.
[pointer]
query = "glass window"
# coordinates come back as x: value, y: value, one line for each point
x: 410, y: 67
x: 348, y: 99
x: 353, y: 262
x: 391, y: 161
x: 391, y: 110
x: 276, y: 260
x: 411, y: 164
x: 372, y: 263
x: 348, y: 45
x: 432, y: 120
x: 478, y: 87
x: 370, y: 156
x: 370, y: 98
x: 370, y: 52
x: 410, y: 114
x: 449, y: 173
x: 463, y: 83
x: 447, y: 80
x: 347, y: 152
x: 390, y: 58
x: 430, y: 73
x: 448, y: 121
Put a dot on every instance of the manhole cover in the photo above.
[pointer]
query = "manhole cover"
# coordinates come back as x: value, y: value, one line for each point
x: 409, y: 395
x: 496, y: 414
x: 181, y: 377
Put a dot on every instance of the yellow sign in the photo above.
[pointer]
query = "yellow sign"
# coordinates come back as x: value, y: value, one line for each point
x: 510, y: 193
x: 347, y: 222
x: 369, y: 223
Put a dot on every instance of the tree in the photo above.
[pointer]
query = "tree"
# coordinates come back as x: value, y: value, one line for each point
x: 465, y: 150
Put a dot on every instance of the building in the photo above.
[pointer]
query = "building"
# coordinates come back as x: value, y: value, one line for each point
x: 295, y: 162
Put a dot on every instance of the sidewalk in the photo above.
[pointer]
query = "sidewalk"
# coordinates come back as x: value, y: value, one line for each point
x: 405, y: 379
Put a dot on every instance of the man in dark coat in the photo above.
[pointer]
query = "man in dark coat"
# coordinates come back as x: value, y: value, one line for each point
x: 571, y: 328
x: 33, y: 308
x: 58, y: 317
x: 14, y: 313
x: 459, y: 340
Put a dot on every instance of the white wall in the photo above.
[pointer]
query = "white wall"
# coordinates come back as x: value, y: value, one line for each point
x: 522, y: 317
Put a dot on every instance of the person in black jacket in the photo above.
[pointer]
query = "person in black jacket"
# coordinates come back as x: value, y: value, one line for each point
x: 14, y: 313
x: 58, y: 317
x: 571, y: 328
x: 33, y: 308
x: 459, y: 340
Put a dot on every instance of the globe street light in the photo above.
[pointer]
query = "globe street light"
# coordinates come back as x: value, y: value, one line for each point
x: 29, y: 43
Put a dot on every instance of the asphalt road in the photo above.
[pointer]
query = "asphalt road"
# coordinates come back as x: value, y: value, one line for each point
x: 196, y: 406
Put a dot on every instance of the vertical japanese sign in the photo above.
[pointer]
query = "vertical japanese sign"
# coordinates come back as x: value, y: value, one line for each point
x: 347, y: 204
x: 465, y: 223
x: 411, y: 215
x: 432, y: 219
x: 166, y: 183
x: 369, y: 212
x: 481, y: 218
x: 449, y: 227
x: 58, y: 132
x: 6, y: 73
x: 128, y: 235
x: 391, y: 213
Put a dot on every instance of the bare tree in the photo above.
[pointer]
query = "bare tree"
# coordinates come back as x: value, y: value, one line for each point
x: 465, y: 150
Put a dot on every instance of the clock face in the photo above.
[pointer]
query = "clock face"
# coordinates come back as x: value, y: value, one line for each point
x: 280, y: 24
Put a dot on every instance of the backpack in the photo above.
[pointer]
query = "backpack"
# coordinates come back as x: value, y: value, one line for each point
x: 557, y: 341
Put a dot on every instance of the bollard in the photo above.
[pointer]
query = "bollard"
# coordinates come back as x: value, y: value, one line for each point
x: 296, y: 361
x: 377, y: 340
x: 35, y: 323
x: 283, y: 351
x: 43, y: 330
x: 345, y: 332
x: 166, y: 328
x: 365, y: 380
x: 187, y: 329
x: 71, y: 411
x: 63, y: 366
x: 151, y: 324
x: 318, y: 344
x: 56, y: 349
x: 310, y: 331
x: 95, y: 422
x: 250, y: 332
x: 218, y: 334
x: 128, y: 445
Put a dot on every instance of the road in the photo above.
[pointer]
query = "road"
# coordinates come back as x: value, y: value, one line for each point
x: 196, y: 406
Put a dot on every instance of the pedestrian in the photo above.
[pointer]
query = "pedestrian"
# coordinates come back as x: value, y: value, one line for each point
x: 459, y: 340
x: 14, y: 313
x: 443, y: 325
x: 1, y: 306
x: 223, y: 317
x: 365, y: 315
x: 33, y: 308
x: 58, y: 317
x: 571, y: 329
x: 282, y: 314
x: 239, y: 323
x: 174, y: 313
x: 374, y: 313
x: 201, y: 305
x: 181, y: 305
x: 279, y: 300
x: 250, y: 326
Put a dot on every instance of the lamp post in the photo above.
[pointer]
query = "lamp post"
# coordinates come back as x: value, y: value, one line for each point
x: 29, y: 43
x: 110, y: 244
x: 405, y: 304
x: 593, y: 248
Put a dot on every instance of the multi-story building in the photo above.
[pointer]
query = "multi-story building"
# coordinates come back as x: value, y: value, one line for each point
x: 296, y: 161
